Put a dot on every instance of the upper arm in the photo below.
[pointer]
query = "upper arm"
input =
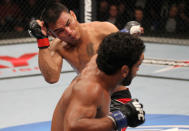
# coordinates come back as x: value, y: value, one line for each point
x: 82, y: 111
x: 106, y: 28
x: 85, y: 107
x: 109, y: 27
x: 84, y: 104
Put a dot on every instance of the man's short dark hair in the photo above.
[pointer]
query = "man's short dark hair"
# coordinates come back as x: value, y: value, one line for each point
x: 118, y: 49
x: 52, y: 12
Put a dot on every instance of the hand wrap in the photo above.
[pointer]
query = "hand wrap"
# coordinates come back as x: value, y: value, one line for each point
x: 35, y: 31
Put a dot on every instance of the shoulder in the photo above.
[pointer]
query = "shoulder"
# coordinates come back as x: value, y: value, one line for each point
x: 105, y: 26
x: 101, y: 29
x: 88, y: 91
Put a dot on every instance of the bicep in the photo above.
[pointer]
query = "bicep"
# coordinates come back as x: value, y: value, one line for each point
x: 81, y: 108
x: 85, y: 101
x: 81, y: 114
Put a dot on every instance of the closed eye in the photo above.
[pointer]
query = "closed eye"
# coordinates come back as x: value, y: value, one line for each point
x: 57, y: 31
x: 68, y: 22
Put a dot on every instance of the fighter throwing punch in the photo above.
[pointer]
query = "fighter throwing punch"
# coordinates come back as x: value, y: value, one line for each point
x: 133, y: 28
x: 75, y: 42
x: 111, y: 66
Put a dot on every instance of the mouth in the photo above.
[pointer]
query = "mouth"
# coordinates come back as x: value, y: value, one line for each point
x: 73, y: 36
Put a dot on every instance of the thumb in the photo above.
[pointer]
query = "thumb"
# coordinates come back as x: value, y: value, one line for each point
x: 43, y: 28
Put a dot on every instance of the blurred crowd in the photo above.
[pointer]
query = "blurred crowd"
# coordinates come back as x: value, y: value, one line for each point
x: 170, y: 16
x: 16, y: 14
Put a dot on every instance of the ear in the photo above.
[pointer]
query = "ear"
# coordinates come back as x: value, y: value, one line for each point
x: 124, y: 71
x: 73, y: 14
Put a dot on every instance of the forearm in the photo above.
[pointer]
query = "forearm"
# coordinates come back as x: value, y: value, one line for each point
x: 48, y: 66
x: 101, y: 124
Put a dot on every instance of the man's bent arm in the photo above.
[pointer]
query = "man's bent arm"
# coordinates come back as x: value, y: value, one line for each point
x: 82, y: 113
x: 50, y: 64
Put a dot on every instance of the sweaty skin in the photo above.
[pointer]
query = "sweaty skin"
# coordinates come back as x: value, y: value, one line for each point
x: 87, y: 98
x: 76, y: 43
x: 75, y: 112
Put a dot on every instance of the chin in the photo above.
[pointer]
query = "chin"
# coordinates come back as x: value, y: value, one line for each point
x: 77, y: 37
x: 126, y: 82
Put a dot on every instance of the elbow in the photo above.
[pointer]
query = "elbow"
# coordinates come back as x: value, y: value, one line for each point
x: 52, y: 80
x: 74, y: 126
x: 50, y: 76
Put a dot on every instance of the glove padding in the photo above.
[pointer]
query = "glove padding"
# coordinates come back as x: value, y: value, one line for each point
x: 35, y: 30
x: 130, y: 114
x: 134, y: 112
x: 115, y: 105
x: 133, y: 27
x: 119, y: 98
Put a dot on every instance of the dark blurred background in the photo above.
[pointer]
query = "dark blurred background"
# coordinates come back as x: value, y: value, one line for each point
x: 160, y: 18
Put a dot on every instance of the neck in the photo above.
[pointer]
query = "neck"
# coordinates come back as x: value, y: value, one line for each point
x: 108, y: 82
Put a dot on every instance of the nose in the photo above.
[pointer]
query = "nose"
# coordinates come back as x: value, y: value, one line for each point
x: 68, y: 31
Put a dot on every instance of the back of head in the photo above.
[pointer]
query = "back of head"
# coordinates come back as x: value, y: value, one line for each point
x: 52, y: 12
x: 118, y: 49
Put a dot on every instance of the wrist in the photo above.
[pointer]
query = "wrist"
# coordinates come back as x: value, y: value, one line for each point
x: 119, y: 119
x: 43, y: 43
x: 114, y: 122
x: 124, y: 30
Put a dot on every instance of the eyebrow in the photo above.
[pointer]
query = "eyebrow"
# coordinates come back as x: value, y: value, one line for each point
x: 67, y: 22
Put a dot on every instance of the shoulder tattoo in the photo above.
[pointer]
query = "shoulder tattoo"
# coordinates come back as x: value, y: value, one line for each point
x: 90, y: 49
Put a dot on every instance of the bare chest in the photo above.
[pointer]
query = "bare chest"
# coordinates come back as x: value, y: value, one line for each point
x: 79, y: 56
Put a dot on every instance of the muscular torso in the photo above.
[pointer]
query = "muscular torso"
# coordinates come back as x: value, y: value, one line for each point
x: 80, y: 54
x: 78, y: 57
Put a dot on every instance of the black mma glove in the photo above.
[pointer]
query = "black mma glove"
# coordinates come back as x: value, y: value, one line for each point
x: 130, y: 114
x: 35, y: 30
x: 119, y: 98
x: 134, y: 113
x: 132, y: 27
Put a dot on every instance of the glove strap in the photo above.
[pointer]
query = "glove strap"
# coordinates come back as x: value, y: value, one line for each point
x: 43, y: 43
x: 120, y: 119
x: 124, y: 30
